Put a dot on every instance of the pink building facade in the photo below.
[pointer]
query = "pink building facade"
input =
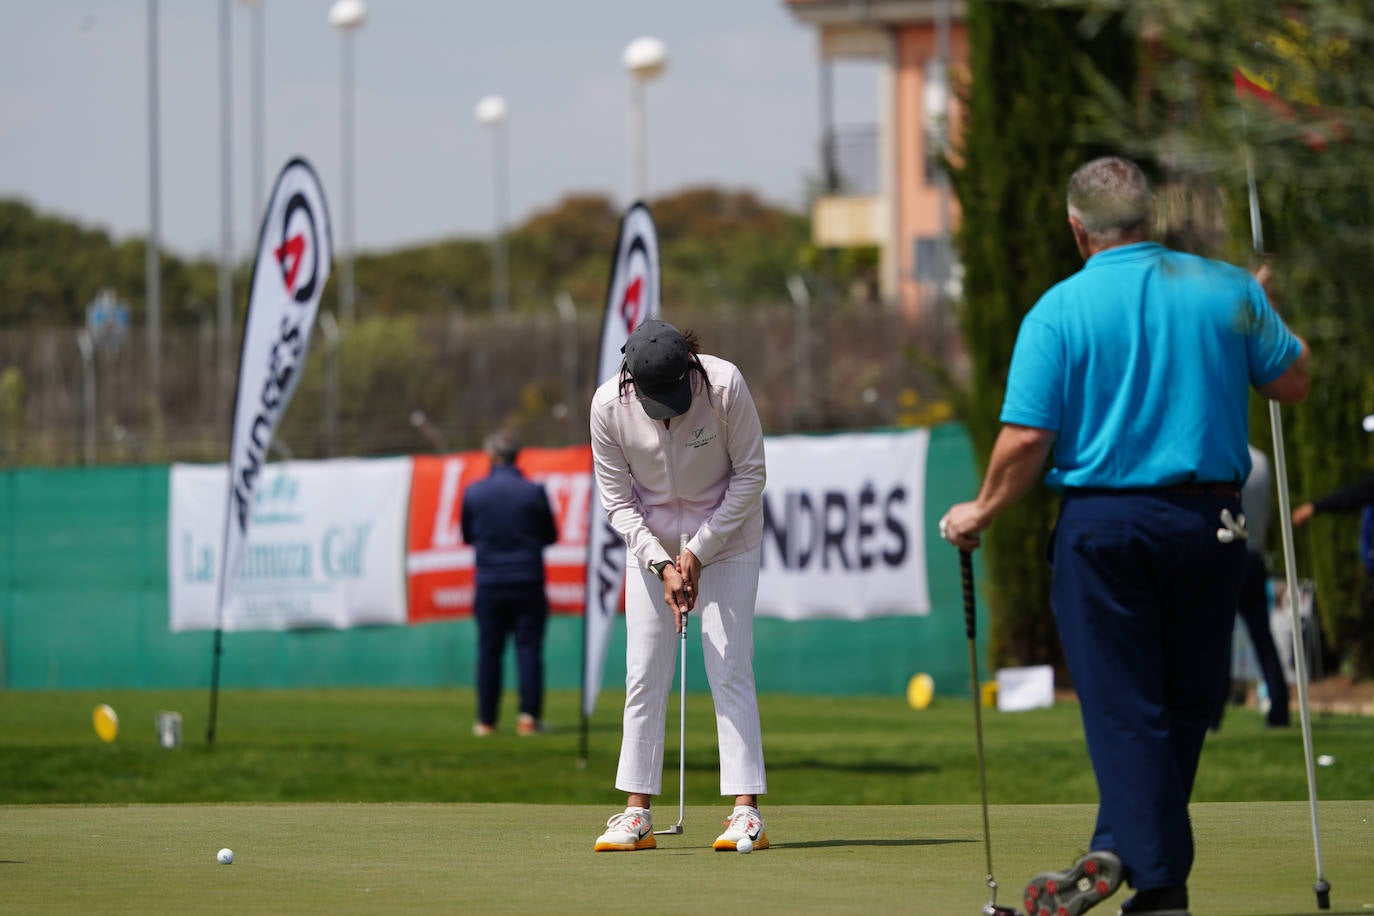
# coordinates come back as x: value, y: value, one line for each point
x: 909, y: 211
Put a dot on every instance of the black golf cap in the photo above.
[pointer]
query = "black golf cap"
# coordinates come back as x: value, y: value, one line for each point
x: 657, y: 359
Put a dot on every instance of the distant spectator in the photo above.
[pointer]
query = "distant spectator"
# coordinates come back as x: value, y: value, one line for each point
x: 1255, y: 499
x: 507, y: 520
x: 1353, y: 497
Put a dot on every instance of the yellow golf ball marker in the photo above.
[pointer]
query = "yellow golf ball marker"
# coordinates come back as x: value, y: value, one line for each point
x: 920, y: 690
x: 106, y: 723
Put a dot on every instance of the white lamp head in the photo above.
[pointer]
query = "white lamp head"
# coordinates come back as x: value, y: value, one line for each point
x: 492, y: 110
x: 645, y: 57
x: 347, y: 14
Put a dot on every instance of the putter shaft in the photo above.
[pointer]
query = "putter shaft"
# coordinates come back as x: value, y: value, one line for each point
x: 971, y: 630
x: 682, y: 739
x: 676, y: 829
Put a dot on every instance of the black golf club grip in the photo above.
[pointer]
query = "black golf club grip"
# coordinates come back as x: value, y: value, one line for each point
x: 966, y: 573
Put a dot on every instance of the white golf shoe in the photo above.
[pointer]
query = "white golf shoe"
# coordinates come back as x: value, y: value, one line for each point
x: 744, y: 822
x: 627, y: 831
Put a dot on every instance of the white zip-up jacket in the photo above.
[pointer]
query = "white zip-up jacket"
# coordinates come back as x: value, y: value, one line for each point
x: 702, y: 475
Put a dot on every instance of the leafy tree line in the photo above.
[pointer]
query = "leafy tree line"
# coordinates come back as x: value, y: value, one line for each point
x: 1052, y: 84
x: 50, y: 268
x: 425, y: 343
x: 718, y: 248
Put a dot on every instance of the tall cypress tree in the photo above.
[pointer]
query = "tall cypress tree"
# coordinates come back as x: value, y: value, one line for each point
x: 1031, y: 68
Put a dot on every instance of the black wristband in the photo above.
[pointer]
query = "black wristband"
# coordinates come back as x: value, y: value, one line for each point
x: 658, y: 566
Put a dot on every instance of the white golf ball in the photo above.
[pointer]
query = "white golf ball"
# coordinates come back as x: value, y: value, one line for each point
x: 1325, y: 760
x: 225, y: 856
x: 744, y: 846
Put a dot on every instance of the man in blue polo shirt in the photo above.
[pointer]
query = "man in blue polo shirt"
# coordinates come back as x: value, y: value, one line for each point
x: 1134, y: 374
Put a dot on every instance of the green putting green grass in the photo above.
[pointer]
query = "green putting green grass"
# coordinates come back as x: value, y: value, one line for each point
x: 379, y: 801
x: 1253, y: 858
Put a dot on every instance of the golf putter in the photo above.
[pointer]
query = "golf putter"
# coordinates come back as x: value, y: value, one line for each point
x: 971, y: 628
x: 676, y: 829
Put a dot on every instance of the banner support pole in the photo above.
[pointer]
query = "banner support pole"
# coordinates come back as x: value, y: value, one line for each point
x: 214, y: 685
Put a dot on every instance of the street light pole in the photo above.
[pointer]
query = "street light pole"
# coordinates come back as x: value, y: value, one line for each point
x: 153, y: 262
x: 636, y: 140
x: 492, y: 112
x: 646, y: 59
x: 226, y: 206
x: 255, y: 198
x: 347, y: 16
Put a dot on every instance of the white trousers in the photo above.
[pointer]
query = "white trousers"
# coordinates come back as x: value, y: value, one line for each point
x: 724, y: 616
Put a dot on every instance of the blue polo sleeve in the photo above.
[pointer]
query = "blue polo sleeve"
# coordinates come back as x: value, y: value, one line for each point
x: 1035, y: 382
x: 1271, y: 347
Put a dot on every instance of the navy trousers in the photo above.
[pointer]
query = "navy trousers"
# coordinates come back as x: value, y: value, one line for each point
x: 503, y: 612
x: 1254, y: 610
x: 1145, y: 598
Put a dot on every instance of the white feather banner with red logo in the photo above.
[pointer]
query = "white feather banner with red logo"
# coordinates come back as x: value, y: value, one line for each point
x: 634, y: 296
x: 293, y: 260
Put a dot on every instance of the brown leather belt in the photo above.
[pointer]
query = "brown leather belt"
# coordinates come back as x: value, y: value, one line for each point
x: 1202, y: 489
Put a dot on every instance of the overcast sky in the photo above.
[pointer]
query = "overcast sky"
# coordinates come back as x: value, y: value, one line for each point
x: 736, y: 107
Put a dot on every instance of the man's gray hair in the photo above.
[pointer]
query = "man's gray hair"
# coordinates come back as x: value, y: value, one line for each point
x: 503, y: 446
x: 1110, y: 197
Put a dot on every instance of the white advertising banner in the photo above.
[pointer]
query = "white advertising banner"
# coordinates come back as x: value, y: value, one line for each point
x: 844, y: 527
x: 326, y: 546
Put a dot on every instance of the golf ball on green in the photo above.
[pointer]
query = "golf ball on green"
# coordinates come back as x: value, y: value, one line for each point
x: 225, y: 856
x: 744, y: 846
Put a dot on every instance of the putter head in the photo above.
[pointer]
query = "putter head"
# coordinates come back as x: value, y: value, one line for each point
x: 992, y: 909
x: 675, y: 830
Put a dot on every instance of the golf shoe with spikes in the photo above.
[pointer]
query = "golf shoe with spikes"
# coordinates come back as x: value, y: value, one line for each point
x: 743, y: 822
x: 1092, y: 879
x: 627, y: 831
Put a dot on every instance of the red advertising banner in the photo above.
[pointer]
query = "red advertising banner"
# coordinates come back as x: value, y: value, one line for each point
x: 439, y: 565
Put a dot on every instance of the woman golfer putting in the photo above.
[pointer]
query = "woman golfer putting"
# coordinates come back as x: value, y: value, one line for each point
x: 678, y: 451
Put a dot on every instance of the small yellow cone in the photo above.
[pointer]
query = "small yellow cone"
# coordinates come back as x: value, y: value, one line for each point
x: 106, y: 723
x: 920, y: 690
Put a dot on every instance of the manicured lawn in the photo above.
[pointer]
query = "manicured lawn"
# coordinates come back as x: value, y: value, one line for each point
x: 416, y: 746
x: 369, y: 801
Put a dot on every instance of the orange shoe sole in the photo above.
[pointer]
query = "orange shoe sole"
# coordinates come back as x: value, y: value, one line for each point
x: 647, y: 843
x: 727, y: 846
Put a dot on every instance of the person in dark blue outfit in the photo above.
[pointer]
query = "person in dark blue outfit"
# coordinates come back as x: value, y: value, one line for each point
x: 1135, y: 375
x: 508, y: 522
x: 1255, y: 499
x: 1353, y: 497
